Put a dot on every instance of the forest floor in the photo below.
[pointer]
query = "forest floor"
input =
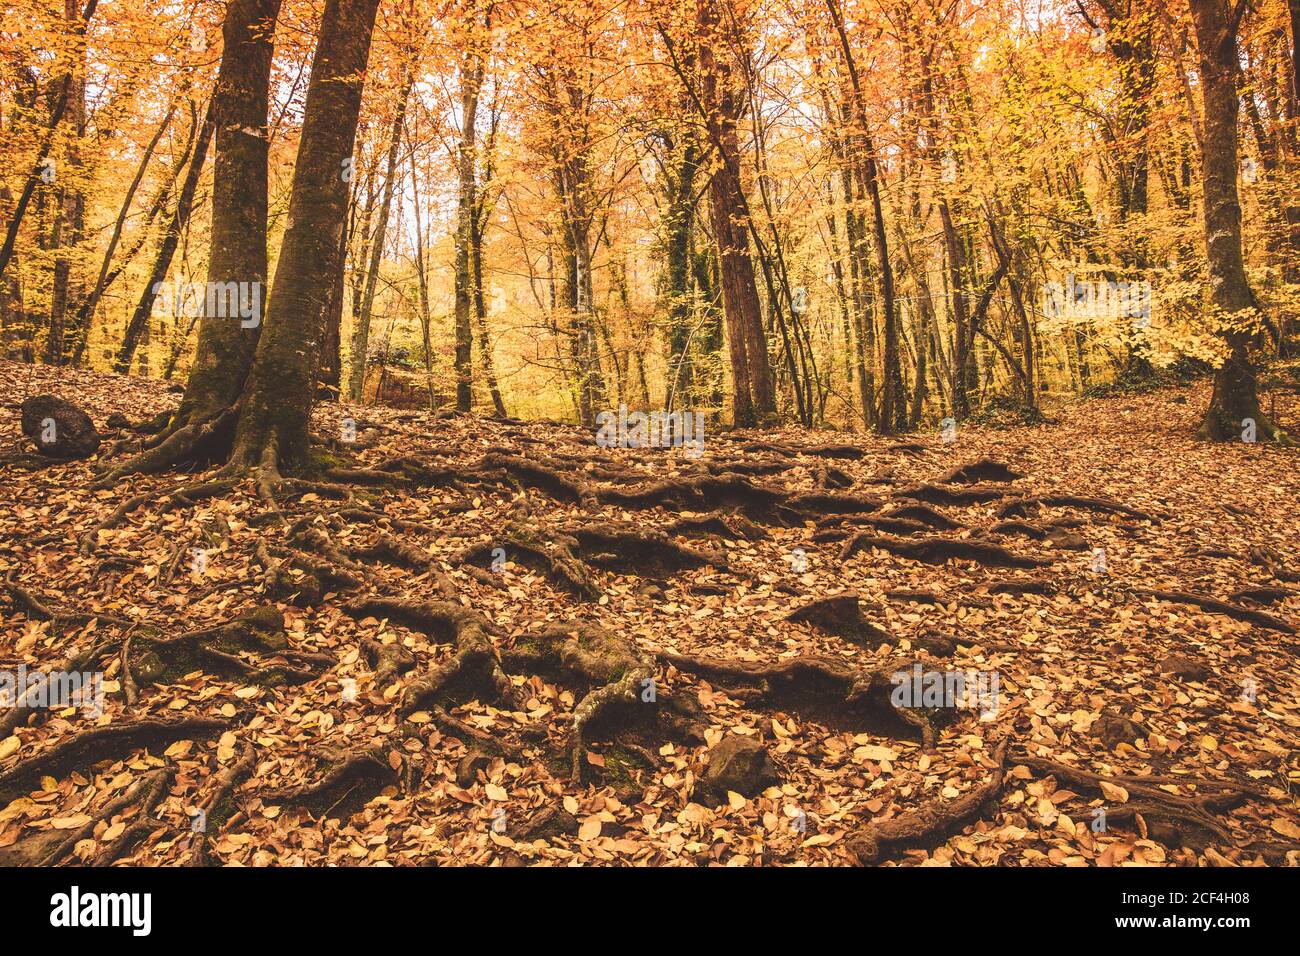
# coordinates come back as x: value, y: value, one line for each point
x: 441, y: 605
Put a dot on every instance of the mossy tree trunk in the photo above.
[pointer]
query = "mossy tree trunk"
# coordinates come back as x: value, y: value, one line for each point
x: 227, y: 343
x: 277, y: 398
x: 1234, y: 410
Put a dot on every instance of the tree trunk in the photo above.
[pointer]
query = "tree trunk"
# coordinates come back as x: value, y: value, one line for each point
x: 471, y: 81
x: 753, y: 398
x: 480, y: 316
x: 67, y: 90
x: 361, y: 334
x: 163, y: 261
x: 1234, y: 410
x: 81, y: 323
x: 277, y: 399
x: 227, y: 342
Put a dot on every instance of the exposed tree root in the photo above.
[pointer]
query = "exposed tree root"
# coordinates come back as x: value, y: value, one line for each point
x: 734, y: 527
x: 828, y: 476
x: 109, y: 742
x: 1023, y: 506
x: 1055, y: 533
x: 986, y: 469
x: 724, y: 492
x: 1021, y: 586
x: 626, y: 549
x: 738, y: 467
x: 406, y: 471
x: 1179, y: 812
x: 619, y: 678
x: 39, y: 608
x: 533, y: 474
x: 941, y: 495
x: 474, y: 667
x: 1275, y: 563
x: 386, y: 548
x: 838, y: 527
x: 823, y: 689
x: 906, y: 595
x: 152, y: 790
x: 199, y: 441
x: 280, y: 585
x: 51, y: 847
x: 349, y: 782
x: 215, y: 650
x: 845, y: 452
x: 828, y: 502
x: 185, y: 495
x: 926, y: 515
x: 389, y: 661
x: 931, y: 823
x: 77, y: 661
x: 841, y: 616
x: 1215, y: 606
x: 939, y: 550
x: 553, y: 558
x: 218, y: 805
x: 1263, y: 595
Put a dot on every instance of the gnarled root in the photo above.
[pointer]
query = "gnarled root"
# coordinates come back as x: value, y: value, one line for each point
x: 823, y: 689
x: 734, y: 527
x: 619, y: 677
x: 218, y: 806
x: 841, y: 616
x: 473, y: 667
x: 553, y: 558
x: 51, y: 847
x: 626, y: 549
x: 351, y: 780
x: 1023, y: 506
x: 986, y: 469
x: 931, y: 823
x: 199, y: 440
x: 1176, y: 812
x: 216, y: 649
x: 108, y: 742
x: 944, y: 495
x: 938, y: 550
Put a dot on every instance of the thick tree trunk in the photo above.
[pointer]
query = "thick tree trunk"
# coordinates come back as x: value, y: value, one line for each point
x: 277, y: 399
x: 227, y: 342
x: 1234, y: 410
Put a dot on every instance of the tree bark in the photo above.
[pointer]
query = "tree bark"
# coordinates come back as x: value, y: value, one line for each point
x: 471, y: 82
x: 753, y: 399
x: 1234, y: 410
x: 276, y: 403
x: 163, y: 261
x: 238, y: 254
x: 361, y: 334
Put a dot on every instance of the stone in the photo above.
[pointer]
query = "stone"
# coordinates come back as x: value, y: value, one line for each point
x: 59, y: 429
x: 738, y: 763
x: 1113, y: 729
x: 1186, y: 668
